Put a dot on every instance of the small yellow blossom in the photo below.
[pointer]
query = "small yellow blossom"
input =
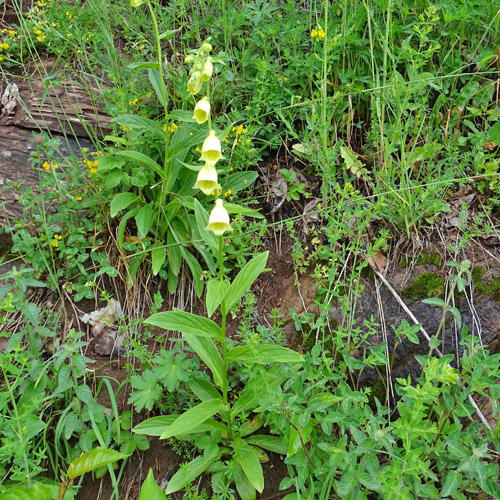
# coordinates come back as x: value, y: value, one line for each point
x: 54, y: 243
x: 314, y: 33
x: 173, y: 127
x: 78, y: 197
x: 12, y: 33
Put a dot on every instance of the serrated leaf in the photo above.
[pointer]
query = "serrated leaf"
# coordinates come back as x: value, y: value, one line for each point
x: 30, y: 310
x: 193, y: 417
x: 453, y: 481
x: 216, y: 291
x: 434, y: 301
x: 37, y: 491
x: 146, y: 392
x: 150, y: 490
x: 87, y: 462
x: 186, y: 323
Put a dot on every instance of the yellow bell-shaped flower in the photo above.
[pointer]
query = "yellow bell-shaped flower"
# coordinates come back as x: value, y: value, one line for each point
x: 195, y: 83
x: 218, y: 221
x: 202, y: 110
x: 211, y: 150
x: 208, y: 69
x: 136, y: 3
x: 207, y: 179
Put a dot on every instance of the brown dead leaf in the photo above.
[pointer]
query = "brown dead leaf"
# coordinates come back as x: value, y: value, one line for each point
x: 377, y: 262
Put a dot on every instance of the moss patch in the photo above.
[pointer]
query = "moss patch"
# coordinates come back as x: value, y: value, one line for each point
x: 426, y: 285
x: 490, y: 288
x: 424, y: 258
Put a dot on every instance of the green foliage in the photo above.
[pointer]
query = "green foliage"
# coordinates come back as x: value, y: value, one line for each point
x: 425, y: 285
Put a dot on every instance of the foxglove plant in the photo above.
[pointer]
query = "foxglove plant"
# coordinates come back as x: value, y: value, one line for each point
x: 213, y: 425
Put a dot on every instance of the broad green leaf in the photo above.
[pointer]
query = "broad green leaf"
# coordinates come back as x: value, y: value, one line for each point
x: 190, y: 471
x: 216, y: 291
x: 37, y: 491
x: 249, y: 462
x: 206, y: 349
x: 92, y: 460
x: 158, y: 256
x: 144, y: 220
x: 142, y: 158
x: 242, y: 283
x: 240, y: 180
x: 141, y: 123
x: 243, y: 486
x: 263, y: 354
x: 453, y: 481
x: 270, y: 443
x: 150, y: 490
x: 183, y: 115
x: 193, y: 417
x: 121, y: 201
x: 186, y: 323
x: 203, y: 389
x: 155, y: 426
x: 108, y: 162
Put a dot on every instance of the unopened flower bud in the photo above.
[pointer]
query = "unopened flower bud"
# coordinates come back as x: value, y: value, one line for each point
x: 195, y: 83
x: 189, y: 59
x: 208, y: 69
x: 206, y: 47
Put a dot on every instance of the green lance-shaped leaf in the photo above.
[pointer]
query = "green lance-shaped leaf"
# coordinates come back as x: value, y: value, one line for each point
x: 141, y: 123
x: 249, y: 461
x: 270, y: 443
x: 208, y: 353
x: 242, y: 283
x: 453, y: 481
x: 216, y: 291
x: 190, y: 471
x: 155, y: 426
x: 87, y: 462
x: 263, y: 354
x: 142, y: 158
x: 186, y: 323
x: 158, y: 256
x: 150, y: 490
x: 193, y: 417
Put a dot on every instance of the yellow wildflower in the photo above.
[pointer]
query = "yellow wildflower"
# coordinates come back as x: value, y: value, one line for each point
x: 314, y: 33
x: 54, y: 243
x: 78, y: 197
x: 173, y: 127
